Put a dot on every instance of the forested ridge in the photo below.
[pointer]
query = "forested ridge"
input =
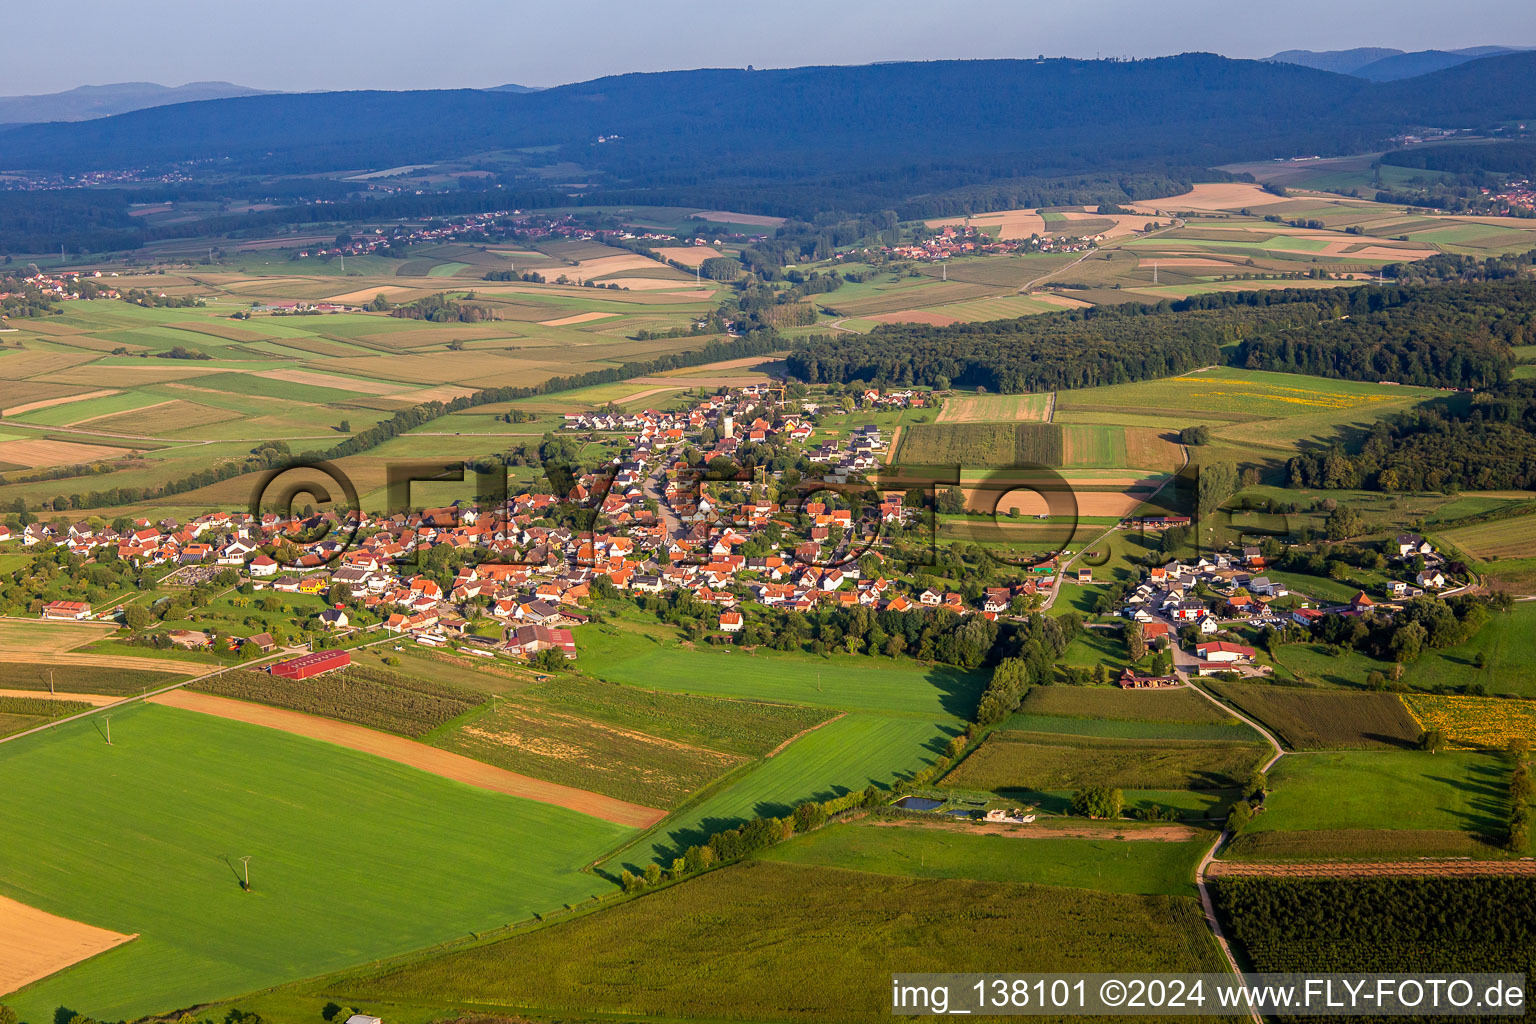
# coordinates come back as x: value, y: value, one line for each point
x: 922, y: 138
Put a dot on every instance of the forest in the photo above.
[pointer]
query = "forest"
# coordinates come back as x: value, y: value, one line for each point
x: 1457, y: 336
x: 1039, y: 353
x: 1514, y: 158
x: 1488, y: 443
x: 1451, y: 336
x: 919, y: 138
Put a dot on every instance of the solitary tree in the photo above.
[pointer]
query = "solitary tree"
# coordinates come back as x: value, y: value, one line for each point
x: 1432, y: 740
x: 1098, y: 802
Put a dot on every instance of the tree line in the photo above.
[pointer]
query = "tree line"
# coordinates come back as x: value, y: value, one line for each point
x: 1438, y: 336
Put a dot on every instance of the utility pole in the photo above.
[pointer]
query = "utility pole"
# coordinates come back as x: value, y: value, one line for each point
x: 1154, y: 272
x: 108, y: 719
x: 50, y: 682
x: 245, y: 862
x: 343, y: 263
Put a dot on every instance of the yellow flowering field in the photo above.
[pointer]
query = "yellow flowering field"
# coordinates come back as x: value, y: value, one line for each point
x: 1474, y: 721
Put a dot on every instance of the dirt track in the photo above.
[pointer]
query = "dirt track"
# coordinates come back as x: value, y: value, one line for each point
x: 35, y: 944
x: 1152, y: 834
x: 1371, y: 869
x: 94, y: 699
x: 416, y: 755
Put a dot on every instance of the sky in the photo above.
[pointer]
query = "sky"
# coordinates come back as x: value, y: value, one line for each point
x: 431, y: 44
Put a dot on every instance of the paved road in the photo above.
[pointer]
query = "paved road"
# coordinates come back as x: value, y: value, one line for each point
x: 655, y: 487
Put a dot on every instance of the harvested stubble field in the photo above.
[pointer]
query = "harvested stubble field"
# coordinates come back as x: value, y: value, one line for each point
x: 589, y: 965
x: 34, y: 453
x: 58, y: 395
x: 1009, y: 223
x: 35, y: 944
x: 1013, y: 761
x: 1306, y: 719
x: 996, y: 408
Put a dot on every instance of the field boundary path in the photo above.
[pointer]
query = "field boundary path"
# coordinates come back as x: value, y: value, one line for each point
x: 1027, y: 285
x: 434, y: 760
x: 1202, y: 871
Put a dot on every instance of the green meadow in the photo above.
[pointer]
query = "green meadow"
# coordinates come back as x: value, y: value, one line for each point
x: 917, y: 851
x: 652, y: 657
x: 347, y: 857
x: 745, y: 942
x: 844, y: 756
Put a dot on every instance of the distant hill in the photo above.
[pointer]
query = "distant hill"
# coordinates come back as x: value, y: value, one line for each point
x: 512, y: 87
x: 1411, y: 65
x: 1340, y: 62
x: 1379, y: 64
x: 920, y: 138
x: 93, y: 101
x: 1033, y: 116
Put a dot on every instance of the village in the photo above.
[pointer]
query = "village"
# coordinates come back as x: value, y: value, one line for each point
x: 670, y: 513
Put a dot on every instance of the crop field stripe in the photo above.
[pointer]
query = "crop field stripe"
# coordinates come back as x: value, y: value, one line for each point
x: 415, y: 755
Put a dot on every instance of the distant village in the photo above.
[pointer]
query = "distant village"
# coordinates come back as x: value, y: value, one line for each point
x: 961, y: 240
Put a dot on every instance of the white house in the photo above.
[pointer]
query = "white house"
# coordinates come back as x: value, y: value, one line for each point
x: 1432, y: 578
x: 1223, y: 652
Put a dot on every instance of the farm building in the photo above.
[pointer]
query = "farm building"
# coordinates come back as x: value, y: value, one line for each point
x: 731, y: 622
x: 529, y: 640
x: 67, y: 610
x: 307, y: 665
x: 263, y: 642
x: 1130, y: 679
x: 1221, y: 650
